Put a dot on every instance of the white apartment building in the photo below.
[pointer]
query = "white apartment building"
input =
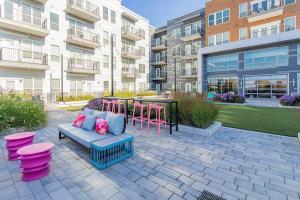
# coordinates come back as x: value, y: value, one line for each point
x: 35, y: 33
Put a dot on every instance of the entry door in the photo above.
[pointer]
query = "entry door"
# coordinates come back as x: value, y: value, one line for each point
x: 158, y: 88
x: 188, y: 87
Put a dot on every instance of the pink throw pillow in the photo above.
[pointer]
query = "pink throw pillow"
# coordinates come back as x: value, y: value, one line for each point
x: 79, y: 121
x: 101, y: 126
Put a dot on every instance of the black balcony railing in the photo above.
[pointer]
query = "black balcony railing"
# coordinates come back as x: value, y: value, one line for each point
x: 157, y: 43
x: 161, y: 75
x: 159, y: 59
x: 192, y: 72
x: 188, y: 52
x: 264, y: 6
x: 84, y: 34
x: 23, y: 56
x: 76, y: 63
x: 85, y: 5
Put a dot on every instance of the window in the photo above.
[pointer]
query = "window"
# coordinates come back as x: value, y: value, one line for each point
x: 115, y: 63
x: 142, y: 51
x: 28, y: 85
x: 290, y: 24
x: 105, y: 38
x: 114, y: 37
x: 221, y: 38
x: 33, y: 86
x: 54, y: 21
x: 55, y: 53
x: 105, y: 61
x: 54, y: 86
x: 219, y: 17
x: 112, y: 16
x: 243, y: 34
x: 223, y: 84
x: 289, y: 1
x: 142, y: 69
x: 106, y: 85
x: 298, y: 54
x: 266, y: 58
x: 142, y: 86
x: 243, y: 10
x: 265, y: 29
x: 105, y: 13
x: 76, y: 87
x: 222, y: 63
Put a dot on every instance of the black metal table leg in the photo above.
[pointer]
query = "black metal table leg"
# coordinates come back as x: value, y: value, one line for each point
x: 127, y: 111
x: 176, y: 115
x: 170, y: 116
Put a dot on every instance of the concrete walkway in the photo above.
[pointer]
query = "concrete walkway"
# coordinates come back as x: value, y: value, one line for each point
x: 234, y: 164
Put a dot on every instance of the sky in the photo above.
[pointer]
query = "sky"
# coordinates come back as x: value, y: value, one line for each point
x: 160, y: 11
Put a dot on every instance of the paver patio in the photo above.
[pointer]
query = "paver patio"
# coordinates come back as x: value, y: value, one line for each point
x: 234, y: 164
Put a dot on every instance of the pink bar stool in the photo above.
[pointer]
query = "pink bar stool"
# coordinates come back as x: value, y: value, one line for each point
x: 16, y: 141
x: 35, y: 160
x: 117, y: 105
x: 106, y: 105
x: 140, y: 118
x: 157, y: 121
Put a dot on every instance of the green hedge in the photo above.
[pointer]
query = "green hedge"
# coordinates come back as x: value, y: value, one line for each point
x: 75, y: 98
x: 130, y: 94
x: 16, y: 112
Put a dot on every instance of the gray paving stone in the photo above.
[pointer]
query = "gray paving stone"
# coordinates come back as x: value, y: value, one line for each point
x: 163, y: 193
x: 147, y: 184
x: 23, y: 188
x: 60, y: 194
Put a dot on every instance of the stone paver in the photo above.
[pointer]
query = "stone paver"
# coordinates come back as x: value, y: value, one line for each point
x: 234, y: 164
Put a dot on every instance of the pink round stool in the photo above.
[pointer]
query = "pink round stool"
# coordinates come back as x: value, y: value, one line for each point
x: 16, y: 141
x: 35, y: 160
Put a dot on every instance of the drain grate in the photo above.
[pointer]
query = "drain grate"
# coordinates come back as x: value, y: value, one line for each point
x: 209, y: 196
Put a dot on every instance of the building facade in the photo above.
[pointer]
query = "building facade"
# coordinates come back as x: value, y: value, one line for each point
x: 174, y: 58
x: 47, y: 47
x: 251, y: 48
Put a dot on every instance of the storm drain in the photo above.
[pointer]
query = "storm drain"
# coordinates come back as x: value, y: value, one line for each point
x: 209, y: 196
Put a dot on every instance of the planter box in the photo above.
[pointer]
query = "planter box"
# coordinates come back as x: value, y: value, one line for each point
x: 199, y: 131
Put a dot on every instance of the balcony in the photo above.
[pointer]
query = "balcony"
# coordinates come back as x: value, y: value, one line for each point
x: 159, y: 61
x: 192, y: 34
x: 41, y: 1
x: 265, y: 9
x: 158, y: 76
x: 128, y: 72
x: 131, y: 33
x: 23, y: 59
x: 18, y: 21
x: 80, y: 66
x: 84, y: 10
x: 159, y: 45
x: 131, y: 53
x: 189, y: 73
x: 190, y: 54
x: 83, y: 38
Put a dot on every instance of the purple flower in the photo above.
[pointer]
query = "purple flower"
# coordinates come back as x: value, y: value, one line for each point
x: 287, y: 100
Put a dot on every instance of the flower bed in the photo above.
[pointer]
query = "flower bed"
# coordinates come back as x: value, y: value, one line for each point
x: 288, y: 100
x: 229, y: 98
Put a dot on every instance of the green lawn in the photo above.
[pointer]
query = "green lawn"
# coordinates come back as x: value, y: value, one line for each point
x: 281, y: 121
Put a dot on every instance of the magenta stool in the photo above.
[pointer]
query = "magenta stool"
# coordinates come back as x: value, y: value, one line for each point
x: 157, y: 121
x: 106, y: 105
x: 117, y: 105
x: 16, y: 141
x: 35, y: 160
x: 140, y: 118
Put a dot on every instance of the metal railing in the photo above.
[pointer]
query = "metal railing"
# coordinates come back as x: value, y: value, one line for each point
x: 133, y: 31
x: 18, y: 15
x: 159, y: 59
x: 84, y: 34
x: 192, y: 72
x: 161, y: 75
x: 156, y: 43
x: 264, y: 6
x: 131, y: 51
x: 189, y: 52
x: 77, y: 63
x: 24, y: 56
x: 128, y: 71
x: 264, y: 32
x: 193, y: 31
x: 85, y: 5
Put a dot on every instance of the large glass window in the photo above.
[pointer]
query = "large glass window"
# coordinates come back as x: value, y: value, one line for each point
x: 243, y: 10
x: 298, y: 54
x: 266, y: 86
x: 222, y: 63
x: 289, y: 1
x: 243, y: 34
x: 290, y: 24
x: 223, y: 84
x: 112, y: 16
x: 221, y: 38
x: 266, y: 58
x: 105, y: 13
x: 105, y: 61
x: 54, y: 21
x: 219, y: 17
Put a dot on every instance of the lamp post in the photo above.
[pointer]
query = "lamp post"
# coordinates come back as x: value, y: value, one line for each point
x: 175, y: 78
x: 112, y: 66
x: 62, y: 77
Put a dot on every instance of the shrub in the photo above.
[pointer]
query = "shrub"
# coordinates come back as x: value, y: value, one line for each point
x: 195, y: 110
x: 94, y: 104
x: 287, y: 100
x: 16, y: 112
x: 75, y: 98
x: 229, y: 98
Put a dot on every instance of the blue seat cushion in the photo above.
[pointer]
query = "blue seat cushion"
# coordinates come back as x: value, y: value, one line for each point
x: 102, y: 115
x: 89, y: 122
x: 115, y: 123
x: 87, y: 111
x: 80, y: 135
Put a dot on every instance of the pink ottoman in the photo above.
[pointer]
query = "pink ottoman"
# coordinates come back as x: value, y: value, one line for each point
x: 16, y: 141
x: 35, y: 160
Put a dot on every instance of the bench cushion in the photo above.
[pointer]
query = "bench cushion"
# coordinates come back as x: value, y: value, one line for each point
x: 115, y: 123
x: 80, y: 135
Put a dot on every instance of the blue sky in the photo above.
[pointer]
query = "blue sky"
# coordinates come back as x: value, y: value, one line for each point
x: 160, y: 11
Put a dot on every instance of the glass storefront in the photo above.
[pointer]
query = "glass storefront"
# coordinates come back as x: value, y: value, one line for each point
x: 266, y: 86
x: 223, y: 84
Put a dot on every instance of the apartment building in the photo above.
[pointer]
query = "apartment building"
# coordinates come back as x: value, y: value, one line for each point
x: 174, y: 58
x: 252, y: 47
x: 49, y: 46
